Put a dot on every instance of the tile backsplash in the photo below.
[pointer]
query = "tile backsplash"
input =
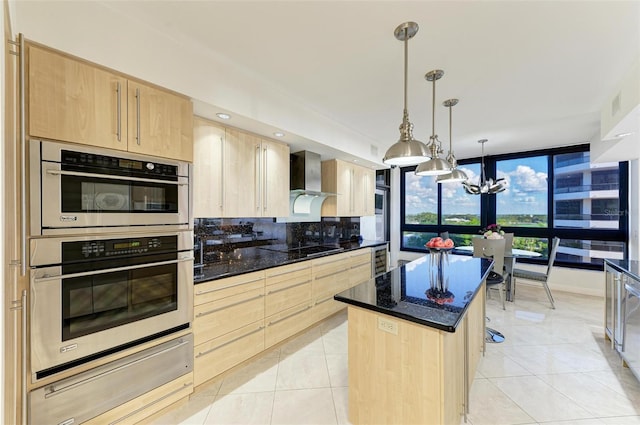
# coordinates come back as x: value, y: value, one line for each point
x: 217, y: 236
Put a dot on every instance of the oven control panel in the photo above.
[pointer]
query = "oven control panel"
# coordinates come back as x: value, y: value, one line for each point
x: 113, y: 248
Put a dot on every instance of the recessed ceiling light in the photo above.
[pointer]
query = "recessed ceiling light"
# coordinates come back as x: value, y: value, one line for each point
x: 620, y: 135
x: 278, y: 134
x: 223, y: 116
x: 355, y: 160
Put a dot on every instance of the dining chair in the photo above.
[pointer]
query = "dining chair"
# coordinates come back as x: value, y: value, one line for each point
x: 494, y: 249
x: 539, y: 276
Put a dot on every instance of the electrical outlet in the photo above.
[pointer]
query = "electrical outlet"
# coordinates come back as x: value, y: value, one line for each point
x: 387, y: 326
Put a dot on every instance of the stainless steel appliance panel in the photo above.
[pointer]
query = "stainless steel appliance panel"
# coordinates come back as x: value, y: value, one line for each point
x: 116, y: 190
x: 631, y: 338
x: 89, y: 394
x: 116, y: 299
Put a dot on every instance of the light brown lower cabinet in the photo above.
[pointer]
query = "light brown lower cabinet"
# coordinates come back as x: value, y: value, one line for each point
x: 239, y: 317
x: 148, y: 404
x: 222, y: 353
x: 287, y: 301
x: 411, y: 373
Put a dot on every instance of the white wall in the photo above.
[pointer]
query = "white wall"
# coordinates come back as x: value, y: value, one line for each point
x: 94, y: 31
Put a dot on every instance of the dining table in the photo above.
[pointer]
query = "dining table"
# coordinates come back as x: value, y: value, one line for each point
x: 510, y: 257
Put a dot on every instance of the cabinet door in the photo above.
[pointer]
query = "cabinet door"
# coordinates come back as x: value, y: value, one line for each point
x: 160, y: 122
x: 368, y: 191
x: 275, y: 179
x: 208, y: 170
x: 73, y: 101
x: 241, y: 154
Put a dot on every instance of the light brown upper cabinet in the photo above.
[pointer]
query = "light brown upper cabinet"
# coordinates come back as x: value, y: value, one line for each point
x: 355, y: 186
x: 76, y: 101
x: 238, y: 174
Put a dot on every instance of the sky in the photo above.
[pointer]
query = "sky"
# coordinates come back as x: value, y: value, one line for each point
x: 526, y: 192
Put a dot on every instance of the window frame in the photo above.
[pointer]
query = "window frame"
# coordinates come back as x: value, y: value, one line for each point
x: 488, y: 209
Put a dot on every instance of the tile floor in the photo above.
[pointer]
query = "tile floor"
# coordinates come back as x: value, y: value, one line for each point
x: 555, y: 367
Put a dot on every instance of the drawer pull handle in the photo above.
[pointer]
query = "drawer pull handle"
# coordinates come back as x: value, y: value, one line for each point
x: 204, y: 353
x: 215, y: 310
x: 208, y: 291
x: 275, y: 291
x: 288, y: 271
x: 289, y: 316
x: 324, y: 301
x: 330, y: 274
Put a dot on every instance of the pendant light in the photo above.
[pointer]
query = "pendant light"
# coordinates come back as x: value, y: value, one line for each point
x: 434, y: 166
x: 456, y: 174
x: 407, y: 150
x: 485, y: 186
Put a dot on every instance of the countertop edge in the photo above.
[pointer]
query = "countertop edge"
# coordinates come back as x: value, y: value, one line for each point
x: 367, y: 244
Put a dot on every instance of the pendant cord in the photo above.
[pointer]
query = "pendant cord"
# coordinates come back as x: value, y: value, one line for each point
x: 433, y: 111
x: 406, y: 61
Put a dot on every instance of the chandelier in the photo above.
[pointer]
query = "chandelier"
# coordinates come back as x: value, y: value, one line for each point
x: 488, y: 186
x: 456, y: 175
x: 407, y: 150
x: 434, y: 166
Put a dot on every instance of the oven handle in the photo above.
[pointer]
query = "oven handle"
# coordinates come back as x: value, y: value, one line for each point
x: 117, y: 269
x: 110, y: 177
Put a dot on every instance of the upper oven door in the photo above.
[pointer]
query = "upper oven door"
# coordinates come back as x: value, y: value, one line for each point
x: 78, y: 188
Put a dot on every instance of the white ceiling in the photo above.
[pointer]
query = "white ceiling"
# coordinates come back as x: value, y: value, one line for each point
x: 529, y: 74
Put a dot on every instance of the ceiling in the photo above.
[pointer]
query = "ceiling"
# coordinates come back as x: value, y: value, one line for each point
x: 529, y: 74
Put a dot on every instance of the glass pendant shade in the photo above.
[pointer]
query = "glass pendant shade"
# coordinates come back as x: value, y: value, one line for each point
x: 407, y: 150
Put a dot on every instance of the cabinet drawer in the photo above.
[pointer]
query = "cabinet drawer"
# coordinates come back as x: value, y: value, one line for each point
x: 218, y: 355
x: 286, y: 323
x: 281, y: 273
x: 325, y: 307
x: 222, y: 288
x: 360, y: 257
x: 147, y: 404
x: 330, y: 261
x: 287, y: 294
x: 330, y: 285
x: 228, y: 314
x: 359, y: 274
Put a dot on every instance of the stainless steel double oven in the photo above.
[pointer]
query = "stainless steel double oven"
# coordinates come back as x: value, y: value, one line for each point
x: 111, y: 257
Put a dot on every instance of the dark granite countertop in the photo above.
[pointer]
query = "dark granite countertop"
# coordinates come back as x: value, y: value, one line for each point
x: 406, y: 292
x: 247, y: 260
x: 629, y: 267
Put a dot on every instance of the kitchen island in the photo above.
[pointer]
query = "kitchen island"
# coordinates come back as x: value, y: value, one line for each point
x: 413, y: 351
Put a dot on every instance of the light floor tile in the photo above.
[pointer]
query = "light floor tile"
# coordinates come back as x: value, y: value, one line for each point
x: 341, y: 403
x: 337, y: 365
x: 250, y: 408
x: 599, y: 400
x: 309, y: 406
x: 303, y: 369
x: 258, y: 376
x: 555, y: 368
x: 193, y: 412
x: 539, y: 400
x: 488, y: 405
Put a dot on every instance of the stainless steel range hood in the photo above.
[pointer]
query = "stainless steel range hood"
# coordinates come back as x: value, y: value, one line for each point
x: 306, y: 196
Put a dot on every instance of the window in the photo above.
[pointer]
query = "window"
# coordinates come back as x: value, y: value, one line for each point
x: 556, y: 192
x: 420, y: 200
x: 458, y: 208
x: 524, y: 202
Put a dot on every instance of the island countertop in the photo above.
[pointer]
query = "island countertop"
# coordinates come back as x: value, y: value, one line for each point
x: 405, y: 292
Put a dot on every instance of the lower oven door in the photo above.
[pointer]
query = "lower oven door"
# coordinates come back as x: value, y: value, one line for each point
x: 85, y: 314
